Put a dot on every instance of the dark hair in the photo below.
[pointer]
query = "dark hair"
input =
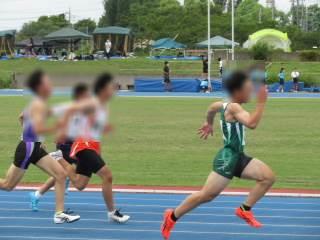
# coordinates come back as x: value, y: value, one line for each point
x: 79, y: 89
x: 102, y: 81
x: 235, y: 81
x: 166, y: 62
x: 35, y: 80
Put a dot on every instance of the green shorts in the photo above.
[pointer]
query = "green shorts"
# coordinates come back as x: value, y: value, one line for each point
x: 229, y: 163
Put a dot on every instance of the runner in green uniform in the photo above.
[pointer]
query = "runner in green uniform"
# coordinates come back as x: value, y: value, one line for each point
x: 231, y: 161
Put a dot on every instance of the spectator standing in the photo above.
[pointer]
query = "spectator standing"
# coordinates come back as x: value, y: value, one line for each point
x: 166, y: 77
x: 282, y: 78
x: 295, y: 74
x: 108, y: 47
x: 205, y: 68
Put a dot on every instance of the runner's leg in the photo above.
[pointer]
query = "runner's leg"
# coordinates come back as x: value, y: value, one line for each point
x: 54, y: 169
x: 47, y: 186
x: 264, y: 177
x: 214, y: 186
x: 13, y: 177
x: 106, y: 175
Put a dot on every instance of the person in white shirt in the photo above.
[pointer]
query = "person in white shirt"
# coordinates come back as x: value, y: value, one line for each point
x: 108, y: 46
x: 295, y: 77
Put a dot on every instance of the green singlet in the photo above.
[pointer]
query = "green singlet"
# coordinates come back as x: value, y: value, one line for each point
x: 231, y: 160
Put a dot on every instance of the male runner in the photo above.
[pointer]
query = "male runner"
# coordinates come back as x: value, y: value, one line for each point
x: 86, y: 148
x: 31, y: 149
x: 231, y: 161
x: 80, y: 92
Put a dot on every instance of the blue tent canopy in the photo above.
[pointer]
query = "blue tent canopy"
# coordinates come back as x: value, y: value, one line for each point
x: 7, y: 33
x: 112, y: 30
x: 217, y: 42
x: 167, y: 43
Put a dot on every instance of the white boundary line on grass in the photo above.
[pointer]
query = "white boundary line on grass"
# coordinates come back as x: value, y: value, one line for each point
x: 168, y: 191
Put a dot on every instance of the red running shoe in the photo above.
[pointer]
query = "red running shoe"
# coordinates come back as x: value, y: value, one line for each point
x: 248, y: 217
x: 168, y: 224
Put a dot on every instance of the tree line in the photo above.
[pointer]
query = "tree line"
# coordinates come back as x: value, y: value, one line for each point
x: 154, y: 19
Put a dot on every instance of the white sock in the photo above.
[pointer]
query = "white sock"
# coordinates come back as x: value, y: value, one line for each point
x: 112, y: 212
x: 38, y: 195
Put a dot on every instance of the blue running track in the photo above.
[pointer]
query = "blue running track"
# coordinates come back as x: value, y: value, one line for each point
x: 67, y: 92
x: 283, y: 218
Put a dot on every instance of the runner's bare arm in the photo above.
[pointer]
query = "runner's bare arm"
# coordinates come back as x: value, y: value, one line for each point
x: 251, y: 120
x: 207, y: 127
x: 84, y: 106
x: 21, y: 118
x: 39, y: 112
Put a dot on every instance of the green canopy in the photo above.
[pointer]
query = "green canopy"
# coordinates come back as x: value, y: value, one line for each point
x: 67, y: 34
x: 112, y: 30
x: 8, y: 33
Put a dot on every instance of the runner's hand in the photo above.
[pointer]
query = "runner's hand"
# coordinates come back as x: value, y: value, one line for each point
x: 262, y: 95
x: 205, y: 131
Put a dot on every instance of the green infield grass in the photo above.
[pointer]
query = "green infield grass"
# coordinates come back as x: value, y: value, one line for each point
x: 143, y: 66
x: 155, y: 141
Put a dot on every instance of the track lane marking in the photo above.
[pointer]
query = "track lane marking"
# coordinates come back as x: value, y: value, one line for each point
x: 182, y: 222
x: 161, y: 213
x: 149, y: 230
x: 167, y: 206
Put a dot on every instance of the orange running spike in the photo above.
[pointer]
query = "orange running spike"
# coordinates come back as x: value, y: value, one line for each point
x: 168, y: 224
x: 248, y: 217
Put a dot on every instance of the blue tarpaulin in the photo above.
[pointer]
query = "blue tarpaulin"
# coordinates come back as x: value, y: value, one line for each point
x: 288, y: 86
x: 178, y: 85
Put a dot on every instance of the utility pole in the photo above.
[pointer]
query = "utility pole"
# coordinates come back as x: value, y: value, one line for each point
x: 232, y: 28
x: 260, y: 15
x: 272, y: 5
x: 209, y: 44
x: 307, y: 19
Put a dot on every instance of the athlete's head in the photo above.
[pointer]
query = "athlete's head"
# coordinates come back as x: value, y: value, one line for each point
x: 80, y: 91
x: 239, y: 86
x: 104, y: 87
x: 39, y: 83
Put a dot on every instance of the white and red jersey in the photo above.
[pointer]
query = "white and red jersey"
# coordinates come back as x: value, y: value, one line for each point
x: 76, y: 123
x: 90, y: 135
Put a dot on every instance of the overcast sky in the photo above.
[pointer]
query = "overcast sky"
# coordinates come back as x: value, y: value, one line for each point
x: 13, y: 13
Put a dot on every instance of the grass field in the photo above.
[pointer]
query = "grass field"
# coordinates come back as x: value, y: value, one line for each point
x: 155, y: 141
x: 143, y: 66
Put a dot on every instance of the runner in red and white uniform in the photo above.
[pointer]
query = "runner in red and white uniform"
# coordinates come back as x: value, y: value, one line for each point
x: 87, y: 147
x: 63, y: 147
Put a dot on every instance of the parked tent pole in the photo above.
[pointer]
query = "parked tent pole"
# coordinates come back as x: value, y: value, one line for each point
x: 232, y: 27
x: 209, y: 46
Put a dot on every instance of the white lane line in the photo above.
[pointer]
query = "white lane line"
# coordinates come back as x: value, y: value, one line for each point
x: 84, y: 196
x: 157, y: 231
x: 167, y: 206
x: 182, y: 222
x: 161, y: 213
x: 228, y: 193
x: 54, y: 238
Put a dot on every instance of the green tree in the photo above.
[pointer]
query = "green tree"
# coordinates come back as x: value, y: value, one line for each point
x: 43, y: 26
x: 116, y: 12
x: 85, y: 25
